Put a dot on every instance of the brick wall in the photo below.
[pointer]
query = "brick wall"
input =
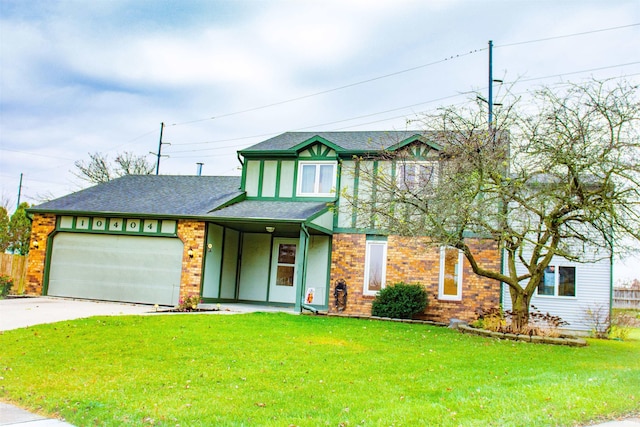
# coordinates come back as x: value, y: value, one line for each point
x: 192, y: 234
x: 41, y: 227
x: 412, y: 260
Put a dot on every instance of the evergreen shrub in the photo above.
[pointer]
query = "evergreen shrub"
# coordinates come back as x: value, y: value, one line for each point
x: 400, y: 301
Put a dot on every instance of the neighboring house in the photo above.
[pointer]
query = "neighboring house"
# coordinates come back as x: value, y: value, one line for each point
x: 281, y: 233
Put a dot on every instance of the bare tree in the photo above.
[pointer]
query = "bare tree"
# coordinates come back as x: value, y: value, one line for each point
x: 556, y: 176
x: 98, y: 169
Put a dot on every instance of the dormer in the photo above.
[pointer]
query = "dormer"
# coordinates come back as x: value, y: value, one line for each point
x: 303, y: 171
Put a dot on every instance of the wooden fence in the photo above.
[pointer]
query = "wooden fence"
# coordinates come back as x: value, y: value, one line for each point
x: 626, y: 298
x: 14, y: 266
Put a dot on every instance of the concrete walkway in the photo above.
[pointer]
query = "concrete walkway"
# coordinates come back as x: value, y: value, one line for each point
x: 13, y: 416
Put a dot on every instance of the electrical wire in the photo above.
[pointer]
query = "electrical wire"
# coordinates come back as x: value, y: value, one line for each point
x: 323, y: 92
x: 401, y: 72
x: 566, y: 36
x: 381, y: 112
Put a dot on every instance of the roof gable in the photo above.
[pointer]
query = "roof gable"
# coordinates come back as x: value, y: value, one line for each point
x: 415, y: 140
x: 317, y: 147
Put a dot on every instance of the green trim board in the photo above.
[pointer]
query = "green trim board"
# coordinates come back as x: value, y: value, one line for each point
x: 47, y: 262
x: 356, y: 185
x: 314, y: 140
x: 117, y: 225
x: 415, y: 139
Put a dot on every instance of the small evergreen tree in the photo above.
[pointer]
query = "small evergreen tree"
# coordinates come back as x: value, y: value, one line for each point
x: 20, y: 230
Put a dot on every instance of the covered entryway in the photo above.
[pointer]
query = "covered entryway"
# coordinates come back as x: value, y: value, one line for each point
x: 116, y: 268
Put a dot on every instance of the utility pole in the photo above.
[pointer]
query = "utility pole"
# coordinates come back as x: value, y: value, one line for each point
x: 490, y: 100
x: 159, y: 153
x: 19, y: 191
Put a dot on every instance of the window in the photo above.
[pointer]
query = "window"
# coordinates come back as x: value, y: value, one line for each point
x: 558, y: 281
x: 286, y: 267
x: 450, y: 285
x: 316, y: 178
x: 415, y: 175
x: 375, y: 266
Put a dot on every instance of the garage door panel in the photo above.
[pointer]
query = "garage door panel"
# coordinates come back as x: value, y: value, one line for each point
x: 116, y: 268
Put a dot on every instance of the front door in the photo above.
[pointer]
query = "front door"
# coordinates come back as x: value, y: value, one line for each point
x: 282, y: 284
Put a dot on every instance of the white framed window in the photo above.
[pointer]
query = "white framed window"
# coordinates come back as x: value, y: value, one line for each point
x: 316, y: 178
x: 558, y: 281
x: 450, y: 283
x: 375, y: 266
x: 412, y: 175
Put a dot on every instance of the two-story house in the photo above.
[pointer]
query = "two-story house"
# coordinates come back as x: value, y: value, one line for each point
x: 282, y: 233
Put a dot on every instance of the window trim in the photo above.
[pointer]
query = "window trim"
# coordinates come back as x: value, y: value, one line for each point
x: 367, y: 260
x: 556, y: 284
x: 460, y: 268
x: 401, y: 166
x: 316, y: 184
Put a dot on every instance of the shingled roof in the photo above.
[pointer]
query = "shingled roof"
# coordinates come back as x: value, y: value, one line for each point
x: 275, y: 210
x: 150, y: 195
x: 350, y: 142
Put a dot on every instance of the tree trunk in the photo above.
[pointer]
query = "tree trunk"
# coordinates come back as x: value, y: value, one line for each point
x: 520, y: 307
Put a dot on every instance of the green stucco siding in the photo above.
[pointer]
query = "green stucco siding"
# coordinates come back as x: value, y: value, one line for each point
x: 325, y: 220
x: 252, y: 182
x: 317, y: 268
x: 230, y: 264
x: 212, y: 262
x: 269, y: 176
x: 347, y: 184
x: 287, y: 169
x: 254, y: 274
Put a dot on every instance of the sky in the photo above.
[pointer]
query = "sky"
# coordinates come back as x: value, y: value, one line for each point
x: 80, y: 77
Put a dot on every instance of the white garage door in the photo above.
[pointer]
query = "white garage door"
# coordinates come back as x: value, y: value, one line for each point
x: 116, y: 268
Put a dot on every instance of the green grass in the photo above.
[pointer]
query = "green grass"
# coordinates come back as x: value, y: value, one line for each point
x: 280, y: 370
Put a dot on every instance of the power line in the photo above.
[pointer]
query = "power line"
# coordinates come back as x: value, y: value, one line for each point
x: 333, y: 89
x: 568, y: 35
x: 35, y: 154
x: 374, y: 114
x: 401, y: 72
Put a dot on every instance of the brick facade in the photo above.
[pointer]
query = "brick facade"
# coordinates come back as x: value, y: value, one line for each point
x: 41, y: 227
x: 412, y: 260
x: 192, y: 234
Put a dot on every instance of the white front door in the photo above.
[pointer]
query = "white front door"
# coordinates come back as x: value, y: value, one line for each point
x: 282, y: 283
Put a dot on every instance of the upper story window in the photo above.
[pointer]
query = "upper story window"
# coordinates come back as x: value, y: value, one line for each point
x: 558, y: 281
x: 412, y: 175
x: 316, y: 179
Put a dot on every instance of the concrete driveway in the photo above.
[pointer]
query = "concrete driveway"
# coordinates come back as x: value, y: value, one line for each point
x: 23, y: 312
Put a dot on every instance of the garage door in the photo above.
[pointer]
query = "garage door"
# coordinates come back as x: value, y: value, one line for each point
x: 116, y: 268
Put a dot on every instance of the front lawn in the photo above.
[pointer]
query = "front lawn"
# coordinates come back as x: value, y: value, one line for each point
x: 280, y: 369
